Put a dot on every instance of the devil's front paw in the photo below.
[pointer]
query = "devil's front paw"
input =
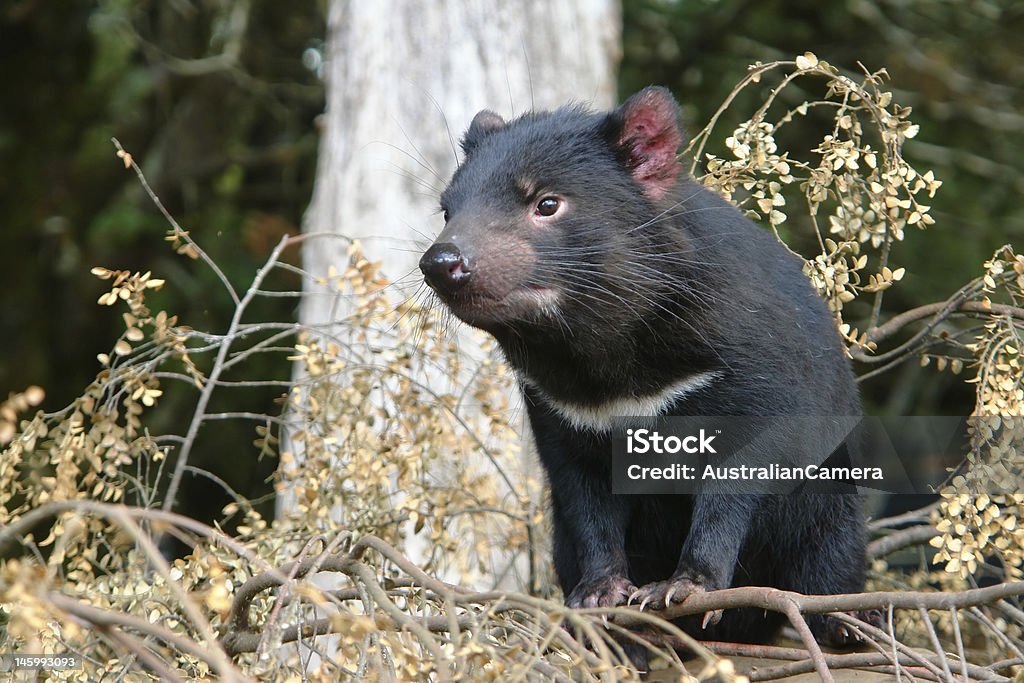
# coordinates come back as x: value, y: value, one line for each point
x: 606, y: 591
x: 832, y: 632
x: 673, y: 591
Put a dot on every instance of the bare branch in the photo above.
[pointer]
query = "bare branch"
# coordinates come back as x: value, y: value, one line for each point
x: 900, y: 539
x: 199, y: 414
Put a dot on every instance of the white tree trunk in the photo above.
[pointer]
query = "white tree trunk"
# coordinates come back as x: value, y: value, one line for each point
x: 404, y: 78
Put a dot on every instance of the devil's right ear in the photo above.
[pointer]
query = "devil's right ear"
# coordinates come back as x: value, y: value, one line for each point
x: 484, y: 123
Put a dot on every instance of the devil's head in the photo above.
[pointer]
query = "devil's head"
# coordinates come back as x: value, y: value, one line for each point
x: 550, y: 217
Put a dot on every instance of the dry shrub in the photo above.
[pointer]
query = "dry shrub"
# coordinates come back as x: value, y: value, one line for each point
x: 381, y: 459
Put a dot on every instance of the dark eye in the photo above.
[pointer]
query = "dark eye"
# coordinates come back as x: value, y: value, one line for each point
x: 446, y: 215
x: 547, y: 206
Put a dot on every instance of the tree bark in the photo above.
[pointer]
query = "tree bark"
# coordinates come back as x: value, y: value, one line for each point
x: 404, y: 78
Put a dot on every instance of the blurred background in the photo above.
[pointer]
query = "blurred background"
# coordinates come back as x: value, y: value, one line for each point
x: 219, y: 102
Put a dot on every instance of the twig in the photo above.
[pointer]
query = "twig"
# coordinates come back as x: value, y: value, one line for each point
x: 883, y: 261
x: 936, y: 645
x: 801, y: 664
x: 774, y: 599
x: 14, y: 531
x: 859, y: 660
x: 889, y: 637
x: 998, y: 632
x: 938, y: 312
x: 233, y: 328
x: 200, y: 472
x: 959, y: 643
x: 900, y: 539
x: 914, y: 516
x: 178, y: 230
x: 157, y: 561
x: 141, y: 650
x: 214, y: 374
x: 103, y: 617
x: 1005, y: 664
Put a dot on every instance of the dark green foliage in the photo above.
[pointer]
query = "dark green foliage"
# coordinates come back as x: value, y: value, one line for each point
x: 228, y: 142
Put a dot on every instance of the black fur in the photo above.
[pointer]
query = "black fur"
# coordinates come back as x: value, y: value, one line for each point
x: 643, y: 279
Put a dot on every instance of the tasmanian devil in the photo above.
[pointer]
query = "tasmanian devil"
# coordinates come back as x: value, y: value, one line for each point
x: 616, y: 285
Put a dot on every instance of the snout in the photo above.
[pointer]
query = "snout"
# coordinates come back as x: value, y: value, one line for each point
x: 445, y: 268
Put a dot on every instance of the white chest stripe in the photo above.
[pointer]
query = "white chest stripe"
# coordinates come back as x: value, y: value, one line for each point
x: 601, y: 418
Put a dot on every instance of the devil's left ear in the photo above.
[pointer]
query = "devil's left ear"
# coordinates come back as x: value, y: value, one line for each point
x: 483, y: 124
x: 645, y: 129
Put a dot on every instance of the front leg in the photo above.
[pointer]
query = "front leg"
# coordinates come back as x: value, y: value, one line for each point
x: 589, y: 522
x: 709, y: 555
x: 589, y: 540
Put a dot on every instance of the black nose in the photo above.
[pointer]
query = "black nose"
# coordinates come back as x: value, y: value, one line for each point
x: 445, y: 268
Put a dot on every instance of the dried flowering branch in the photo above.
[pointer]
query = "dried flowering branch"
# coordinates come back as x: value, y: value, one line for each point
x: 859, y: 175
x: 333, y: 577
x: 393, y: 598
x: 858, y: 178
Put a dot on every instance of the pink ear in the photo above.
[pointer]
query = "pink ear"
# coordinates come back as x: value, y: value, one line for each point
x: 650, y: 137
